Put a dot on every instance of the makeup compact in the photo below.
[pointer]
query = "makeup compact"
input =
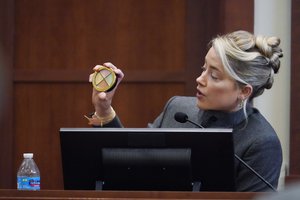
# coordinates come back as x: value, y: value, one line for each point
x: 104, y: 79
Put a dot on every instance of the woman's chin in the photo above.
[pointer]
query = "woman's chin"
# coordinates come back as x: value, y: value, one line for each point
x: 200, y: 105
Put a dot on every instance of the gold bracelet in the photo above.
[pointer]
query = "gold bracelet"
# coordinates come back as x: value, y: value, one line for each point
x: 96, y: 120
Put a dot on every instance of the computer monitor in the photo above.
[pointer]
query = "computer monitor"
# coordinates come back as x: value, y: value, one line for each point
x: 147, y: 159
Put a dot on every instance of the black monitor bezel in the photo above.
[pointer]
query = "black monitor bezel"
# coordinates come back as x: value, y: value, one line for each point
x: 212, y: 154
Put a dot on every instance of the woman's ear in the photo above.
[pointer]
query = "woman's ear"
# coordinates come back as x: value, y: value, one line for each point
x: 246, y: 91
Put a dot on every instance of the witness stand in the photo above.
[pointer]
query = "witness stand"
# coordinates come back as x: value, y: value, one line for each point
x: 11, y: 194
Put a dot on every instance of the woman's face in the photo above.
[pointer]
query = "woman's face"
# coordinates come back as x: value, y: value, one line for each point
x: 216, y: 90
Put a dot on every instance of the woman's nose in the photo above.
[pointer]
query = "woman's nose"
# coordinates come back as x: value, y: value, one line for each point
x: 201, y: 79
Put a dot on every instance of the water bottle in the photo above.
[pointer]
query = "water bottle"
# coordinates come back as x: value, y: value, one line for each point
x: 28, y: 176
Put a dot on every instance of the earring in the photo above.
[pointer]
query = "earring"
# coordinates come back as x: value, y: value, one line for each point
x: 241, y: 104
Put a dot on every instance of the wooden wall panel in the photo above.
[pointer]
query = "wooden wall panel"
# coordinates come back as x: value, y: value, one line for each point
x: 160, y: 45
x: 6, y: 90
x: 295, y: 94
x: 237, y: 15
x: 73, y: 34
x: 140, y: 103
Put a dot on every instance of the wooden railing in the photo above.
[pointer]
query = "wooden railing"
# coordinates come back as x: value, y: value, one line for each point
x: 11, y: 194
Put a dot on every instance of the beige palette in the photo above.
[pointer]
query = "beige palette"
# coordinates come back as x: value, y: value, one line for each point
x: 104, y: 79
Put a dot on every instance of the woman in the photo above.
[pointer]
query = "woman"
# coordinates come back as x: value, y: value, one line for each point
x: 238, y: 67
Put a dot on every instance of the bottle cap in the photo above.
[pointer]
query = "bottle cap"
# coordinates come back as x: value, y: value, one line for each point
x: 28, y: 155
x: 104, y: 79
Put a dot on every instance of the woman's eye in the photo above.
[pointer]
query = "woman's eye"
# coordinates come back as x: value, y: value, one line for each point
x: 214, y: 76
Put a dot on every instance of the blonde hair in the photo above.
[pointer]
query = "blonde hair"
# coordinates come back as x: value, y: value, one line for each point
x: 249, y: 59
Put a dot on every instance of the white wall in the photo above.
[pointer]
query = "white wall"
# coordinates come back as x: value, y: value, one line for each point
x: 273, y: 18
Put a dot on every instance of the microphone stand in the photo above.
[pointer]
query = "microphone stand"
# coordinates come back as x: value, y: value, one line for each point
x: 257, y: 174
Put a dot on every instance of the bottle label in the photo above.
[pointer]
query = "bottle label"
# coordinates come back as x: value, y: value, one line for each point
x: 28, y: 183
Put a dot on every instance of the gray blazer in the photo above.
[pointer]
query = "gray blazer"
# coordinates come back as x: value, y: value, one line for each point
x: 256, y: 143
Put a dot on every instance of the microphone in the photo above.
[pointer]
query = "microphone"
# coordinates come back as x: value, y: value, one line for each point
x: 183, y: 118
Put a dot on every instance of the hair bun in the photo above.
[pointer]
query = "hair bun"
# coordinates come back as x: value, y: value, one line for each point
x: 273, y: 41
x: 274, y: 60
x: 269, y: 48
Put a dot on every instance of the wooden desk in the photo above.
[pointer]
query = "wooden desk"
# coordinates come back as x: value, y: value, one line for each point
x: 11, y: 194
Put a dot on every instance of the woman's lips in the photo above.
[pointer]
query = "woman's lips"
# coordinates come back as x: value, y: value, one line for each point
x: 199, y: 94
